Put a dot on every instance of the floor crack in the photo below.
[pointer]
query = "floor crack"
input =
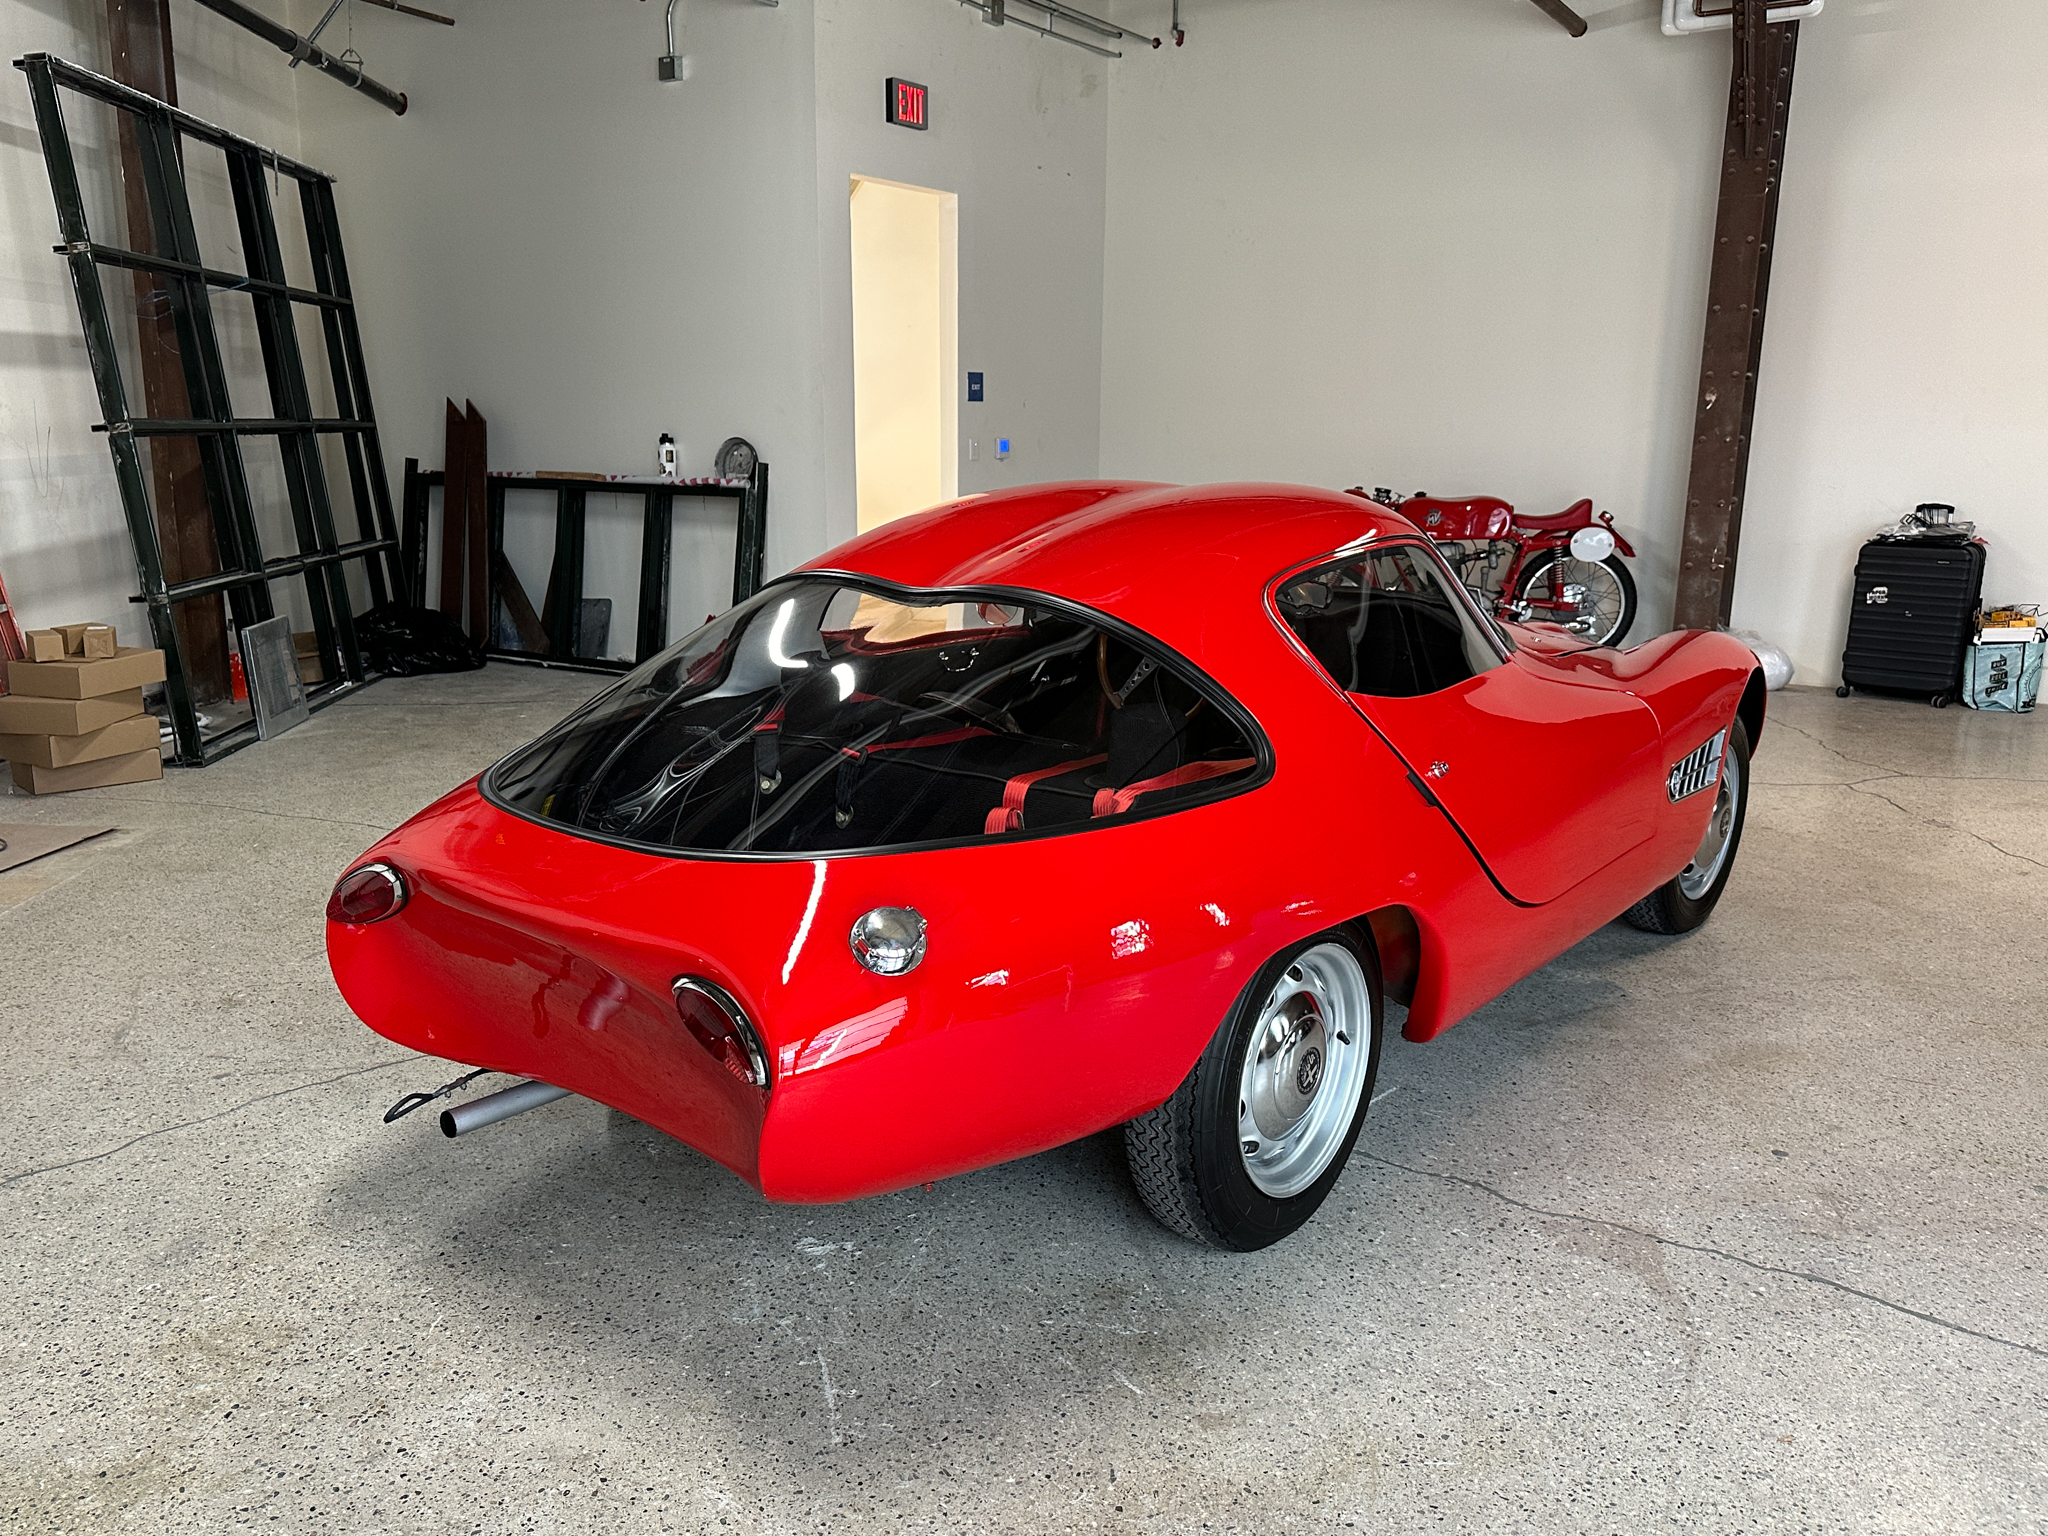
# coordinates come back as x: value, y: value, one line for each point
x: 1711, y: 1252
x: 232, y: 1109
x: 1946, y: 826
x: 1786, y: 725
x: 246, y: 810
x: 1876, y: 778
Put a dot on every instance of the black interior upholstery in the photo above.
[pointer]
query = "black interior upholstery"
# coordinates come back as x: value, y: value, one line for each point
x: 891, y: 725
x: 1390, y: 645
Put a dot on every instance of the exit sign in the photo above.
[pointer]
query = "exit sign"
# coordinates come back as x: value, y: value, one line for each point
x: 909, y: 104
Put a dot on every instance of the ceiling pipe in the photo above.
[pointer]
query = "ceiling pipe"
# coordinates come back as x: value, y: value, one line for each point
x: 304, y: 52
x: 393, y: 5
x: 997, y: 13
x: 1556, y: 10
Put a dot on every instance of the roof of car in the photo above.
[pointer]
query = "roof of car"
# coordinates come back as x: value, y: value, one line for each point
x: 1135, y: 549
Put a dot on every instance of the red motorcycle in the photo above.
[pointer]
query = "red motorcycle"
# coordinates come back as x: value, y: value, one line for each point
x: 1565, y: 569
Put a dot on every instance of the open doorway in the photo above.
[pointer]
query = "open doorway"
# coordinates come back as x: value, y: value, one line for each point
x: 906, y: 298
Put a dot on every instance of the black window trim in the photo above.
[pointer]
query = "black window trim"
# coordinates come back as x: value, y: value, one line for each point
x: 1206, y: 685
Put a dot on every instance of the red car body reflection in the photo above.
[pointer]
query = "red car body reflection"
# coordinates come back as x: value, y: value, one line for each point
x: 1072, y: 978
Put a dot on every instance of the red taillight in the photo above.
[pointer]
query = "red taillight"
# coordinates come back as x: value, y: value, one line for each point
x: 715, y: 1018
x: 367, y: 895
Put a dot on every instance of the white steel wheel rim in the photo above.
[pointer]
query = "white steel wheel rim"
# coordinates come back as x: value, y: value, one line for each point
x: 1698, y: 877
x: 1304, y: 1070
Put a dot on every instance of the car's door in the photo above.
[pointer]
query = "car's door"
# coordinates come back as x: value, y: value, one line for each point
x: 1549, y: 779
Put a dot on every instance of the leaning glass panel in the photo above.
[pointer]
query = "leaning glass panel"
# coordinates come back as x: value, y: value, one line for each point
x: 825, y: 716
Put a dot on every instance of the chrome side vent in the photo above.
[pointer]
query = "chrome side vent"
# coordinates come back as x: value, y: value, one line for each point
x: 1699, y: 769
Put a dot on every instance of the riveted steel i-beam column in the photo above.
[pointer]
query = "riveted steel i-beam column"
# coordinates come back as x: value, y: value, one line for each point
x: 139, y: 41
x: 1752, y: 160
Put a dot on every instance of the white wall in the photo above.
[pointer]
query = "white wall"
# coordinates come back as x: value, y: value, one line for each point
x: 595, y: 257
x: 64, y: 546
x: 1421, y: 243
x: 1432, y: 244
x: 1906, y: 357
x: 1020, y: 132
x: 591, y: 255
x: 1439, y: 243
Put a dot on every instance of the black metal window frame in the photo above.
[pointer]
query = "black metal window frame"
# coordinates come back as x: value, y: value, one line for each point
x: 565, y: 577
x: 189, y: 284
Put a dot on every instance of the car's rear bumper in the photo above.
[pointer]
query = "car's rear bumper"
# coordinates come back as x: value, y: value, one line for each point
x: 1069, y: 985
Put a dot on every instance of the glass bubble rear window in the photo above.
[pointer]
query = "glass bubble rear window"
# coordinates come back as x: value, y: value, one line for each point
x: 824, y: 716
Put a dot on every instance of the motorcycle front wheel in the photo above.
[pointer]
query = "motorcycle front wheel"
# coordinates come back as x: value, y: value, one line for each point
x: 1595, y: 599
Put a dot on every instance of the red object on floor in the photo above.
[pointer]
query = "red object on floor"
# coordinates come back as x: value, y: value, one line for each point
x: 238, y: 680
x: 11, y: 647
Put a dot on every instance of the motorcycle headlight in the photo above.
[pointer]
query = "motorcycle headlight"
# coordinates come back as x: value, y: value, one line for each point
x: 1592, y: 545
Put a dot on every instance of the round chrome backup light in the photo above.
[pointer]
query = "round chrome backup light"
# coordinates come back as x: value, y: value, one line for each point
x: 367, y: 894
x: 889, y: 940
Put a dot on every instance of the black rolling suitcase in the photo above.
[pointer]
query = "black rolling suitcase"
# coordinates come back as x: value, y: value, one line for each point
x: 1916, y: 599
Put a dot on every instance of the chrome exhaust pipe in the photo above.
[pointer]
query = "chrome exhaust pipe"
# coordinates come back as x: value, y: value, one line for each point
x: 502, y: 1105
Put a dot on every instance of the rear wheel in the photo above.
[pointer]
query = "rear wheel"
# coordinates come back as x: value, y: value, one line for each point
x: 1255, y: 1137
x: 1686, y: 900
x: 1593, y: 598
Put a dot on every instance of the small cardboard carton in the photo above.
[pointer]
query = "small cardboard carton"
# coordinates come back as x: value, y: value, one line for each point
x: 88, y: 642
x: 43, y: 645
x: 76, y: 678
x: 306, y: 646
x: 130, y: 735
x: 128, y: 768
x: 21, y: 716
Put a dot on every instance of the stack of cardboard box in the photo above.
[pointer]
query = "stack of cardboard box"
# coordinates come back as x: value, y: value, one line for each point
x: 72, y: 717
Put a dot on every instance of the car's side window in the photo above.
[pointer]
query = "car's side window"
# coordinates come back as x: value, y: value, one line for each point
x: 1385, y: 623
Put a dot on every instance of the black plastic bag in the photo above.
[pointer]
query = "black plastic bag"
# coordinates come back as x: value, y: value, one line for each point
x: 404, y: 641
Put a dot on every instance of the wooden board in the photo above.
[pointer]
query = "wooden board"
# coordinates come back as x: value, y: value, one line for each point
x: 454, y: 510
x: 475, y: 493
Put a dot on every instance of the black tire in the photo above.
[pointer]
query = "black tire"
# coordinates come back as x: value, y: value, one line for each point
x: 1536, y: 574
x: 1843, y: 691
x: 1940, y: 701
x: 1186, y: 1157
x: 1670, y: 908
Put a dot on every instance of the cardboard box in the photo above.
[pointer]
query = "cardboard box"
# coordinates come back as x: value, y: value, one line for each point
x: 127, y: 668
x: 306, y: 646
x: 129, y: 768
x: 130, y: 735
x: 90, y: 642
x: 65, y: 717
x: 43, y: 645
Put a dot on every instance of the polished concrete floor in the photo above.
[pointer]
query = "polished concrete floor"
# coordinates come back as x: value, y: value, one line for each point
x: 1745, y: 1231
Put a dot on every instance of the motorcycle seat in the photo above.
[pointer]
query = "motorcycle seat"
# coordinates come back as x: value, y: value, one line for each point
x: 1577, y: 515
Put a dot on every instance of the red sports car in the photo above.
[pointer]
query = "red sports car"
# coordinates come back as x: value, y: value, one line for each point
x: 1047, y: 811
